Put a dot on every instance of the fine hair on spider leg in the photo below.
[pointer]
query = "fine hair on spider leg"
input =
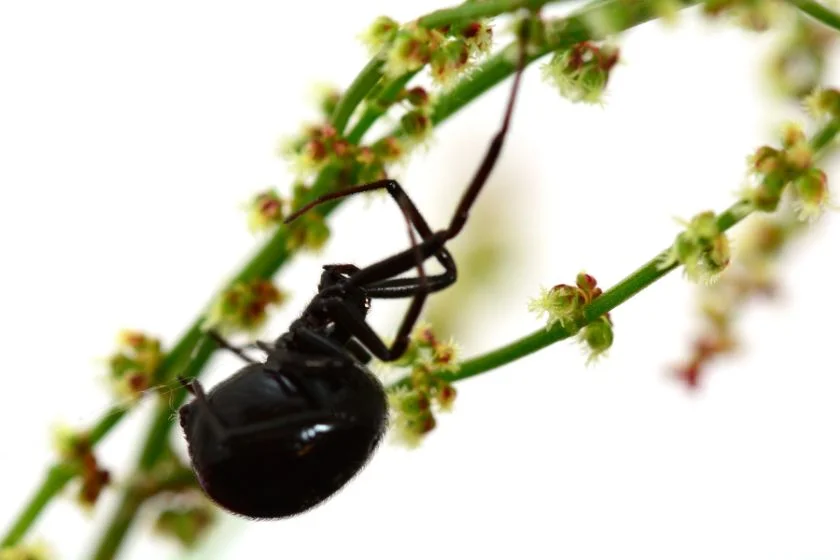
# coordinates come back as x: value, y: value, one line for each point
x: 284, y: 434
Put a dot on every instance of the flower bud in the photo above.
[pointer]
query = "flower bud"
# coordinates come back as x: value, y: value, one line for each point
x: 597, y: 337
x: 265, y: 211
x: 381, y: 32
x: 243, y: 306
x: 416, y: 124
x: 812, y: 195
x: 478, y: 36
x: 824, y: 104
x: 581, y: 72
x: 186, y: 524
x: 135, y: 364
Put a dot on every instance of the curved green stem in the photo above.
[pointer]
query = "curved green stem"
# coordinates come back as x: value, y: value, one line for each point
x: 560, y: 34
x: 819, y: 12
x: 631, y: 285
x: 476, y: 10
x: 118, y: 526
x: 379, y: 107
x: 372, y: 73
x: 57, y: 477
x: 357, y: 91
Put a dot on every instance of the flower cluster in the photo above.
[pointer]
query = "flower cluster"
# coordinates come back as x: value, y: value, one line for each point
x: 823, y: 104
x: 326, y: 97
x: 754, y: 15
x: 266, y: 210
x: 381, y: 32
x: 797, y: 64
x: 414, y: 402
x: 774, y: 169
x: 75, y: 447
x: 581, y: 72
x: 309, y: 231
x: 132, y: 369
x: 320, y: 146
x: 184, y: 512
x: 448, y: 51
x: 597, y: 337
x: 314, y: 147
x: 185, y: 523
x: 702, y: 249
x: 243, y: 306
x: 751, y: 274
x: 564, y: 305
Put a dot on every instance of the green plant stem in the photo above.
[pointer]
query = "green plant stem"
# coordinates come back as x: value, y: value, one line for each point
x: 130, y: 503
x: 634, y: 283
x: 476, y: 10
x: 819, y: 12
x: 56, y: 478
x: 379, y: 107
x: 372, y: 73
x: 359, y: 88
x: 824, y: 136
x: 62, y: 472
x: 560, y: 34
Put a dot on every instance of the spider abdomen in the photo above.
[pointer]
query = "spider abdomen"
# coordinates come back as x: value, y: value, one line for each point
x: 265, y: 446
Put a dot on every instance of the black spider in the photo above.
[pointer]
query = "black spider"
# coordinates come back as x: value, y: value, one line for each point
x: 281, y: 436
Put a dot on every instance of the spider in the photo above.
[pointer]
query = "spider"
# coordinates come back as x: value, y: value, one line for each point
x: 282, y: 435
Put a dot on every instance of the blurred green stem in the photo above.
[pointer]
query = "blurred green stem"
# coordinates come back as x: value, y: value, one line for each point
x: 477, y: 10
x: 819, y: 12
x: 649, y: 273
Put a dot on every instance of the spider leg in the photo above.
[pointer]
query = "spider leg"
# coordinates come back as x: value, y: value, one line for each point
x: 414, y: 221
x: 335, y: 347
x: 349, y: 319
x: 379, y: 284
x: 358, y: 351
x: 433, y: 242
x: 459, y: 219
x: 197, y: 391
x: 378, y: 278
x: 321, y: 345
x: 385, y: 269
x: 398, y: 288
x: 432, y: 245
x: 223, y: 343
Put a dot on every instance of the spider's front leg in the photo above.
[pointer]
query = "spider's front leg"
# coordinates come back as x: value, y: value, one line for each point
x: 222, y: 342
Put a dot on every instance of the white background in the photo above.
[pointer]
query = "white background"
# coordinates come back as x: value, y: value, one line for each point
x: 130, y: 136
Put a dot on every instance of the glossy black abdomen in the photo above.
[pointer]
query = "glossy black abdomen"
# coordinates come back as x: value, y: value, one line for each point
x: 287, y: 441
